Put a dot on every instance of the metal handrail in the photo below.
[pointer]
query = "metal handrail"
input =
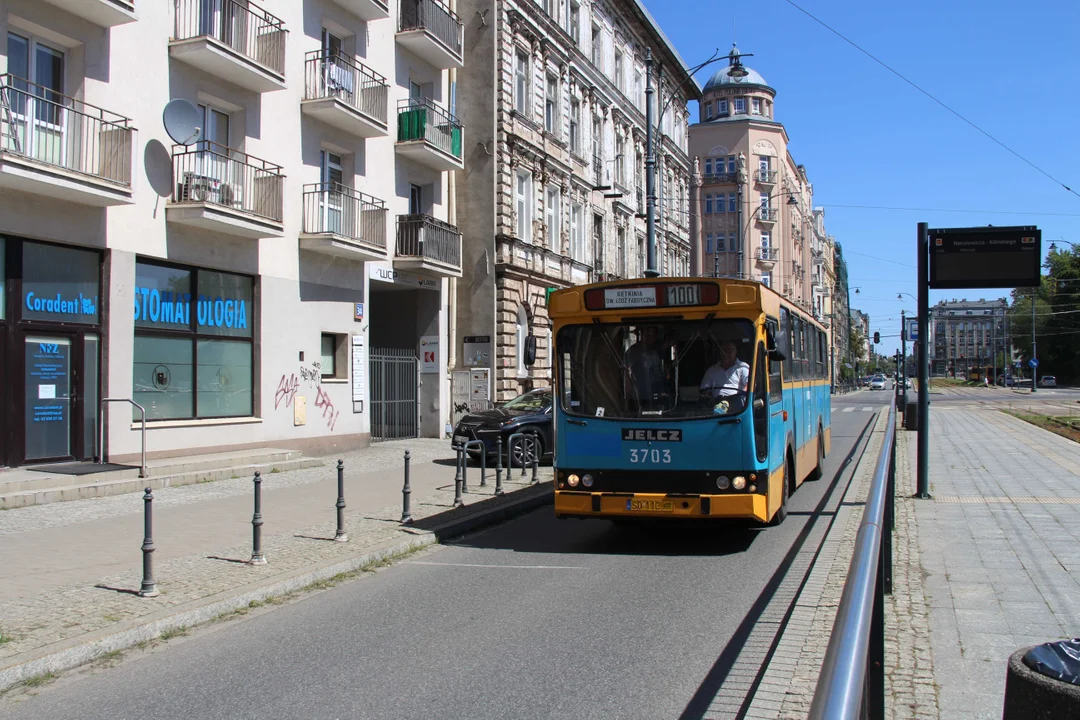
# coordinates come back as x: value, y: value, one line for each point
x: 101, y: 430
x: 841, y: 687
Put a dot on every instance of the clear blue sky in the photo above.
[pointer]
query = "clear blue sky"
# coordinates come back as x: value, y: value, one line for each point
x: 868, y: 138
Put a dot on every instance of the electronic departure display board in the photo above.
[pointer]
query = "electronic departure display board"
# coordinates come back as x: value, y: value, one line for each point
x: 985, y: 257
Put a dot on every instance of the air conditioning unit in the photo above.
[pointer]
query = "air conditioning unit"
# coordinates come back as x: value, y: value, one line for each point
x: 231, y: 195
x: 198, y: 188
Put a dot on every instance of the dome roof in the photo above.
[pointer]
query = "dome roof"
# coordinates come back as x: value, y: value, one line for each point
x: 721, y: 78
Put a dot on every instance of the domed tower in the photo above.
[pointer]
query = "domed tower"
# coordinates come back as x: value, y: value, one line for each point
x: 736, y: 91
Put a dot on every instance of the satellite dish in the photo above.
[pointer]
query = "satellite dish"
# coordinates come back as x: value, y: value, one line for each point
x: 181, y: 120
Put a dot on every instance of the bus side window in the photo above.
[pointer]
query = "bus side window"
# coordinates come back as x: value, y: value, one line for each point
x: 775, y: 380
x: 784, y: 342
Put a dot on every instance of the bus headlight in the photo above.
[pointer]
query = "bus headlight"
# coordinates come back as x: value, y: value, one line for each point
x: 573, y: 480
x: 723, y: 482
x: 753, y: 488
x: 739, y: 482
x: 586, y: 480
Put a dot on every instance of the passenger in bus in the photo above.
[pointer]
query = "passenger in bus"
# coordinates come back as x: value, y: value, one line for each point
x: 726, y: 381
x: 648, y: 371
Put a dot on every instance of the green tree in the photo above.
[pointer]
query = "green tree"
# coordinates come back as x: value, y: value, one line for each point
x: 857, y: 342
x: 1057, y: 317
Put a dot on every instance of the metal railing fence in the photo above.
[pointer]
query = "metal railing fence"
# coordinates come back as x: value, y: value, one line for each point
x: 41, y: 124
x: 421, y: 119
x: 338, y: 209
x: 355, y: 84
x: 436, y: 19
x: 244, y: 27
x: 208, y: 172
x: 395, y: 403
x: 852, y: 680
x: 426, y: 237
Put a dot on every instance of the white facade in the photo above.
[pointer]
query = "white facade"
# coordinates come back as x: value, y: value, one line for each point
x: 295, y: 187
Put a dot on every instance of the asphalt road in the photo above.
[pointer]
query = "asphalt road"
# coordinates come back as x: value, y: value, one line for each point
x: 534, y: 618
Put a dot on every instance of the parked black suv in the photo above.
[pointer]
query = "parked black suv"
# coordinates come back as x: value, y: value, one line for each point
x: 528, y: 413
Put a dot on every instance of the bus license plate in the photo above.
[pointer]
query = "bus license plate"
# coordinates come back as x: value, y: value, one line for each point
x: 650, y: 505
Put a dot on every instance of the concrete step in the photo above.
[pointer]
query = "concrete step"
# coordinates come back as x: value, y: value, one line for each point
x: 28, y: 480
x: 118, y: 485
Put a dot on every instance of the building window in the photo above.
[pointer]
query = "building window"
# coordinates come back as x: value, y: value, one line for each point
x: 708, y: 111
x: 620, y: 160
x: 721, y: 108
x: 193, y: 353
x: 720, y: 243
x: 575, y: 126
x: 596, y: 48
x: 521, y: 82
x: 766, y: 240
x: 552, y: 200
x: 639, y: 88
x: 730, y: 165
x: 551, y: 105
x: 577, y: 233
x: 573, y: 21
x: 708, y: 167
x: 763, y: 163
x: 755, y: 106
x: 333, y: 349
x: 519, y: 341
x: 720, y: 203
x: 732, y: 201
x: 740, y: 106
x: 621, y: 249
x: 764, y: 201
x: 523, y: 201
x: 708, y: 204
x: 618, y: 71
x: 708, y: 244
x: 551, y: 8
x: 766, y: 279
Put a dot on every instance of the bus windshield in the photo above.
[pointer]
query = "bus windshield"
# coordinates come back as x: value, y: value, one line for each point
x: 655, y: 368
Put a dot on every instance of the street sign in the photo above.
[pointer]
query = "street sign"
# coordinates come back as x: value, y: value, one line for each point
x: 1033, y: 362
x: 912, y: 329
x: 985, y: 257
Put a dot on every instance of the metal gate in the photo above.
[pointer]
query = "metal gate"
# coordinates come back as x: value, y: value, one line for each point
x: 395, y: 407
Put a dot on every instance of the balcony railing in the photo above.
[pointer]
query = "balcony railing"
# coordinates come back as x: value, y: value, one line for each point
x: 768, y: 214
x: 422, y: 236
x: 336, y: 209
x: 434, y: 18
x: 768, y: 255
x: 336, y: 76
x: 766, y: 176
x: 420, y: 119
x: 243, y: 27
x: 720, y: 177
x: 42, y: 125
x: 206, y: 172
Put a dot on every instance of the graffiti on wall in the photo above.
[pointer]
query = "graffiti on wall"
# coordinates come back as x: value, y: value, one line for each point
x: 329, y: 413
x: 286, y: 391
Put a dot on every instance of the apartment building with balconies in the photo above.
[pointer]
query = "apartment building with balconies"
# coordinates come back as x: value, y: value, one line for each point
x: 555, y: 169
x: 243, y: 283
x: 753, y: 215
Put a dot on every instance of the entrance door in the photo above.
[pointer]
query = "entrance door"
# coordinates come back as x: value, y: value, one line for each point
x: 50, y: 397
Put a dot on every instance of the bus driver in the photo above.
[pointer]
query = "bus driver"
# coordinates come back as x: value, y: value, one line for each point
x: 726, y: 379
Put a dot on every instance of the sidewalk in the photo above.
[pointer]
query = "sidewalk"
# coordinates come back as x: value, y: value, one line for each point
x: 69, y: 572
x: 989, y: 565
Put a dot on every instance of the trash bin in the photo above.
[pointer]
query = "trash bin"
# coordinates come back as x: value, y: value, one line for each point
x: 1043, y: 682
x: 911, y: 416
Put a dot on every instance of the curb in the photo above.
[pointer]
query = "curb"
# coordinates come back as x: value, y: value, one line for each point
x: 70, y: 654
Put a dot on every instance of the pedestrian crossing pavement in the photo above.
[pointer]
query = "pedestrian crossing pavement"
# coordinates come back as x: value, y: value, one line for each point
x: 868, y: 408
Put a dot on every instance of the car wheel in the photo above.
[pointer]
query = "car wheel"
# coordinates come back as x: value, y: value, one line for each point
x: 519, y: 451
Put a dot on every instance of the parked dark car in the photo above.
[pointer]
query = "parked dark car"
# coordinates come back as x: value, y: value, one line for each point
x: 527, y: 413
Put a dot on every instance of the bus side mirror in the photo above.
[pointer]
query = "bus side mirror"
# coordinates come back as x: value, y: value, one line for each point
x: 777, y: 356
x: 530, y: 351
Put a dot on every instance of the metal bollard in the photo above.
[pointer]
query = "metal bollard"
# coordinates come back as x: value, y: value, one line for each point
x: 257, y: 557
x: 536, y: 461
x: 149, y: 585
x: 458, y: 480
x: 406, y: 494
x: 498, y: 469
x: 341, y: 535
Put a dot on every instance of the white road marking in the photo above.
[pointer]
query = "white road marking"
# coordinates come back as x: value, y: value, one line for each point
x: 848, y: 409
x: 507, y: 567
x: 868, y: 409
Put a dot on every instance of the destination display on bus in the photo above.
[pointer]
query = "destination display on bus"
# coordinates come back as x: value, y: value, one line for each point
x: 629, y: 297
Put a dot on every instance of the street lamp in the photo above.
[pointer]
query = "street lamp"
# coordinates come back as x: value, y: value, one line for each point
x: 737, y: 71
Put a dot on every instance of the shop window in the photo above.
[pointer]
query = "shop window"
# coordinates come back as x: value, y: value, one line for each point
x: 60, y: 284
x: 333, y: 348
x: 193, y: 354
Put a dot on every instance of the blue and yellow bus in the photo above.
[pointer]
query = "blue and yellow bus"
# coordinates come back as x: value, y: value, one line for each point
x: 685, y: 398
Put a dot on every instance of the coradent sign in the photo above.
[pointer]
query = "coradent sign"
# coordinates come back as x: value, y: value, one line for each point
x: 386, y: 273
x: 169, y: 307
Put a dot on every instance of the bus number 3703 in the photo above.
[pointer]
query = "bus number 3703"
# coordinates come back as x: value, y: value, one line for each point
x: 650, y: 455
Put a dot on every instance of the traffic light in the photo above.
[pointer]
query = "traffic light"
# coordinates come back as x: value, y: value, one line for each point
x: 877, y: 338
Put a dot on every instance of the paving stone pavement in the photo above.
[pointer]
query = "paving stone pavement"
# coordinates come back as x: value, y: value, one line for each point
x: 34, y: 622
x: 999, y: 549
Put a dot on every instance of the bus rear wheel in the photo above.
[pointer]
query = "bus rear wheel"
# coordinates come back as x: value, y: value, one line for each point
x: 781, y: 512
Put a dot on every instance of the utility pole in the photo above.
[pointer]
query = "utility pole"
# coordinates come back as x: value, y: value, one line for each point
x: 1034, y: 354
